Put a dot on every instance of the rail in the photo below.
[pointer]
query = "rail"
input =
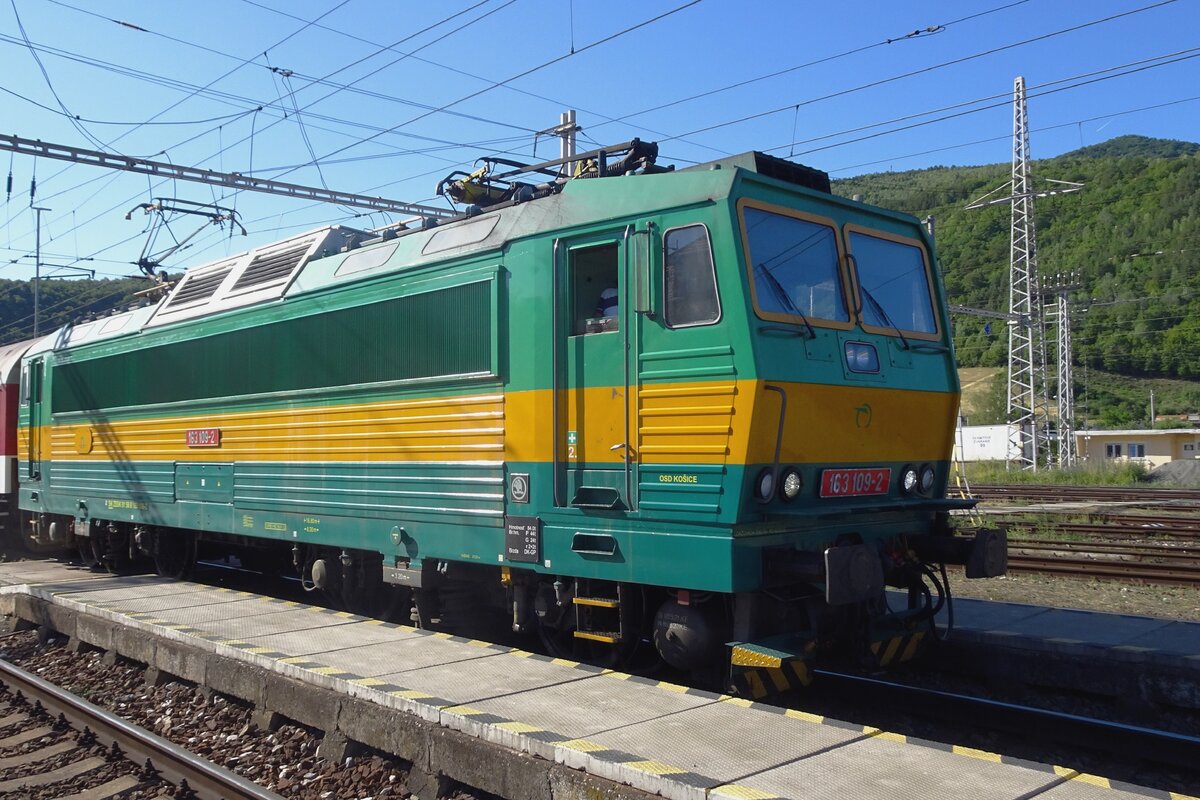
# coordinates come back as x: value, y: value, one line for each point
x: 1127, y: 741
x: 207, y: 780
x: 1082, y: 493
x: 1161, y: 551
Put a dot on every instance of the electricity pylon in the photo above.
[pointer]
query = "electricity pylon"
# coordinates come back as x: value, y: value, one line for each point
x: 1028, y: 390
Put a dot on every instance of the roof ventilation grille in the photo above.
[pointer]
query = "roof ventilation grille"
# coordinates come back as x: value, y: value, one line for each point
x: 199, y: 286
x: 273, y: 266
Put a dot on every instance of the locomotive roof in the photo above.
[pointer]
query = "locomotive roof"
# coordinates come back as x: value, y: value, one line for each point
x: 335, y: 255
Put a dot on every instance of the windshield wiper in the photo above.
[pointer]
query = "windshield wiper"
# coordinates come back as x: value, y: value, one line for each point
x: 884, y: 315
x: 785, y: 299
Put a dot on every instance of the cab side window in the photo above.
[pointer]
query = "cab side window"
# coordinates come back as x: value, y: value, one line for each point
x: 594, y: 298
x: 689, y: 280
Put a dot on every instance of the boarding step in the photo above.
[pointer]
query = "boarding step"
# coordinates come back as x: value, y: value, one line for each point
x: 596, y: 602
x: 598, y: 613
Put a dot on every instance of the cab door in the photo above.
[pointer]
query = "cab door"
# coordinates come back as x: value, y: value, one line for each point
x: 594, y: 343
x: 31, y: 397
x: 687, y: 377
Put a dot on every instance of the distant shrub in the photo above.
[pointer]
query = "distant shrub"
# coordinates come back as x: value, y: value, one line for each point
x: 1108, y: 473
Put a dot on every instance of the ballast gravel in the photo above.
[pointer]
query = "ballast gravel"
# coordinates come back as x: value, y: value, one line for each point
x: 218, y: 728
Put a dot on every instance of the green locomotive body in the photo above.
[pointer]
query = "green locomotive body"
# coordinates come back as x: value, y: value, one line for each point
x: 707, y: 407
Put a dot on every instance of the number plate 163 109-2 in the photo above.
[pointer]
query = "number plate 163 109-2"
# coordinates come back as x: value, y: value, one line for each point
x: 855, y: 482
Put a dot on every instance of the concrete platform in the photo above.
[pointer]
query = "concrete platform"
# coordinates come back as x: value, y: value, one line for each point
x: 520, y: 724
x: 1150, y: 637
x: 1145, y: 661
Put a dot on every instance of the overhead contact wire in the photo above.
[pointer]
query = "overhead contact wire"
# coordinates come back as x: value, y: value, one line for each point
x: 924, y: 70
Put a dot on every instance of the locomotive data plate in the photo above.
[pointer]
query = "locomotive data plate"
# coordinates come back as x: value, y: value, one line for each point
x: 855, y: 482
x: 523, y: 539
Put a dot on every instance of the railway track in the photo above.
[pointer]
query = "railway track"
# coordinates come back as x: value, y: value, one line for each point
x: 1158, y: 549
x: 1164, y: 534
x: 1087, y: 564
x: 1162, y: 529
x: 1085, y: 493
x: 70, y: 725
x: 868, y: 705
x: 1130, y: 553
x: 1039, y: 728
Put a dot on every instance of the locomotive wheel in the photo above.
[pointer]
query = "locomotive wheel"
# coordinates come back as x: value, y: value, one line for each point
x: 111, y: 551
x: 175, y: 554
x: 83, y: 546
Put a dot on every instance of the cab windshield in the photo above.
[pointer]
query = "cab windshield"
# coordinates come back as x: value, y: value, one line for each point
x: 894, y: 282
x: 794, y: 263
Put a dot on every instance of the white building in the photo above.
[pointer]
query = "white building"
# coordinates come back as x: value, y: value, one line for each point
x: 1151, y: 447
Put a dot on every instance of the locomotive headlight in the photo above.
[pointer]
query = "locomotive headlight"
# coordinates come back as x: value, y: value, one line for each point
x: 861, y: 357
x: 927, y: 476
x: 790, y: 486
x: 908, y: 479
x: 764, y: 485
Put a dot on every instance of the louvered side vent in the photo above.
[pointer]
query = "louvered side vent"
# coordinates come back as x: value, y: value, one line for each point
x: 272, y: 267
x: 199, y: 287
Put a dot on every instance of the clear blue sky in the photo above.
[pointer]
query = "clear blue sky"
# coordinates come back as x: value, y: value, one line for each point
x: 383, y: 122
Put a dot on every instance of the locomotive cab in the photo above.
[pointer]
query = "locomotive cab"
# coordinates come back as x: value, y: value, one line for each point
x: 848, y: 453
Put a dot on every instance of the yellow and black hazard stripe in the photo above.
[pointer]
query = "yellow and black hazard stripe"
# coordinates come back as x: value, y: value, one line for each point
x: 756, y: 675
x: 897, y: 649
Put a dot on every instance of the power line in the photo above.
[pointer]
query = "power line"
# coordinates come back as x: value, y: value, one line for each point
x: 923, y: 70
x: 43, y: 106
x: 515, y: 77
x: 528, y: 72
x: 1146, y: 62
x: 467, y: 74
x: 989, y: 140
x: 918, y: 33
x: 363, y: 77
x: 1193, y: 53
x: 253, y: 105
x: 427, y: 28
x: 192, y: 94
x: 235, y: 69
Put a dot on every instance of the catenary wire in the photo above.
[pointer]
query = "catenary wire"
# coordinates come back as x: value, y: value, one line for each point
x: 923, y: 70
x: 527, y: 72
x: 918, y: 33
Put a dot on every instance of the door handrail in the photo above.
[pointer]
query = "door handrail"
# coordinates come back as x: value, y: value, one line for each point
x: 624, y: 300
x: 779, y: 433
x: 554, y: 368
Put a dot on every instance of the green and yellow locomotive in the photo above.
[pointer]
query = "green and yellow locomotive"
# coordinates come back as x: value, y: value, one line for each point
x: 706, y: 412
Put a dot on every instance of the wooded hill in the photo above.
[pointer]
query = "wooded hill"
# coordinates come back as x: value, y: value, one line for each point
x: 60, y: 302
x: 1132, y: 236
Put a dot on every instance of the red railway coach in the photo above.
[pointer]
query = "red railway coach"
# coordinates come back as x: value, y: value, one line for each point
x: 10, y: 374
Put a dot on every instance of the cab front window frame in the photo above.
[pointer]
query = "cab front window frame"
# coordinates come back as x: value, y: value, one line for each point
x: 838, y: 294
x: 921, y: 303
